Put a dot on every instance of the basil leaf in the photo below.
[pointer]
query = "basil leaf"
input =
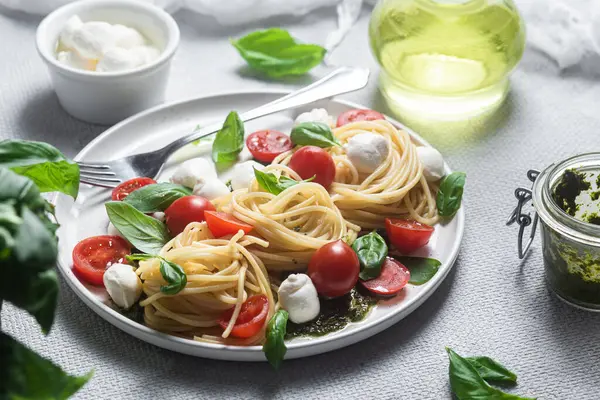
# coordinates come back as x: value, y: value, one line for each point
x: 143, y: 232
x: 139, y: 257
x: 491, y: 370
x: 229, y: 141
x: 26, y: 375
x: 421, y: 269
x: 276, y: 53
x: 371, y: 251
x: 174, y: 275
x: 274, y: 347
x: 157, y: 197
x: 450, y: 193
x: 273, y: 184
x: 313, y: 134
x: 43, y: 164
x: 467, y: 384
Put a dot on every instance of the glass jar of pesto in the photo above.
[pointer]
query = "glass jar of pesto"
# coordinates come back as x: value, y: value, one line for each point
x: 566, y: 198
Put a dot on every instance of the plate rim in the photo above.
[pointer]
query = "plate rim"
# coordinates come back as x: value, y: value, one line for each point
x: 310, y: 347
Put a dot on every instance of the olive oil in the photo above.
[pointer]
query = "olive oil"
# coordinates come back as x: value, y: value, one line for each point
x: 449, y: 59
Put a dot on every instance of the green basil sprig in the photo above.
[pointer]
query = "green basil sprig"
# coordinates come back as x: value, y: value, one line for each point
x: 143, y: 232
x: 229, y: 141
x: 171, y: 272
x: 157, y: 197
x: 468, y: 384
x: 371, y: 251
x: 44, y: 164
x: 29, y: 376
x: 421, y: 269
x: 276, y: 53
x: 313, y: 134
x: 274, y: 347
x: 273, y: 184
x: 450, y: 193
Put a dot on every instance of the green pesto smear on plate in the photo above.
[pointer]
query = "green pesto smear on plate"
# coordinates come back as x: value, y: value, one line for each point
x: 577, y: 194
x: 335, y: 315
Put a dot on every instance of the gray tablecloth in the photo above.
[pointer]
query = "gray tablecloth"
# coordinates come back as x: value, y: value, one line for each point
x: 490, y: 304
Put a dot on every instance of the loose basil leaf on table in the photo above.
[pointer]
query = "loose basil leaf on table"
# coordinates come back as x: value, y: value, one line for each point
x: 157, y: 197
x: 449, y: 196
x: 44, y: 164
x: 371, y: 251
x: 467, y: 384
x: 143, y: 232
x: 29, y: 376
x: 421, y: 269
x: 229, y: 141
x: 313, y: 134
x: 274, y: 347
x: 492, y: 370
x: 273, y: 184
x: 276, y: 53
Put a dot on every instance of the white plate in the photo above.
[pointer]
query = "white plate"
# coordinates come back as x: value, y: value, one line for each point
x: 156, y: 127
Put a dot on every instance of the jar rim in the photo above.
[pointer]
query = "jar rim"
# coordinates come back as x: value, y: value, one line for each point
x: 551, y: 213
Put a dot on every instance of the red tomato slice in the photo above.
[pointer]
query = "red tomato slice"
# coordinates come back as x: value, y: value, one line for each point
x: 268, y: 144
x: 251, y: 319
x: 393, y: 277
x: 185, y: 210
x: 311, y: 161
x: 120, y: 192
x: 358, y: 115
x: 406, y: 235
x: 92, y: 256
x: 221, y: 224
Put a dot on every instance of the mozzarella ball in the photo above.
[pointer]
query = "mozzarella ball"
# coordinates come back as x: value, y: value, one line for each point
x: 126, y: 37
x: 367, y: 151
x: 299, y: 298
x: 193, y: 171
x: 122, y: 284
x: 316, y: 115
x: 117, y: 59
x: 433, y: 163
x: 66, y: 35
x: 243, y: 174
x: 74, y: 60
x: 211, y: 189
x: 145, y: 54
x: 159, y: 216
x: 93, y: 39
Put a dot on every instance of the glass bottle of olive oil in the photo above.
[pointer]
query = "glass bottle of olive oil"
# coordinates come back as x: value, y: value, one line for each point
x: 449, y: 59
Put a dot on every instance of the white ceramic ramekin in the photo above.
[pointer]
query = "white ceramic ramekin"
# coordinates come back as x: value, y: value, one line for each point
x: 109, y: 97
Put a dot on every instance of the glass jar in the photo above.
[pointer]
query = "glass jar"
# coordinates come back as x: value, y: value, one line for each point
x: 570, y: 241
x: 448, y: 59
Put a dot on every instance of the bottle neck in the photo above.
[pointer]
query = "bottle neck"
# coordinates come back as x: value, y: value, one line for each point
x: 453, y: 6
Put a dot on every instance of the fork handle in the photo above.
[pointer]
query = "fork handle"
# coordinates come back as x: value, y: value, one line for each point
x: 342, y: 80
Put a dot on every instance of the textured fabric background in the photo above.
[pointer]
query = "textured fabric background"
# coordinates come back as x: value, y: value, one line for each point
x: 490, y: 304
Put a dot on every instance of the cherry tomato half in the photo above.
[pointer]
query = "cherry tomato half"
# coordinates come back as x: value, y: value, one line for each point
x: 92, y: 256
x: 393, y: 277
x: 124, y: 189
x: 221, y: 224
x: 311, y: 161
x: 251, y: 319
x: 185, y: 210
x: 334, y: 269
x: 407, y: 236
x: 268, y: 144
x: 358, y: 115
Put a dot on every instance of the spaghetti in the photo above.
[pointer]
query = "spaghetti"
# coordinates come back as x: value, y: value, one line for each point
x: 396, y: 189
x: 295, y: 223
x: 221, y: 274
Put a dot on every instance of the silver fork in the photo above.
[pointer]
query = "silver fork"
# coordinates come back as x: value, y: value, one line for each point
x: 109, y: 174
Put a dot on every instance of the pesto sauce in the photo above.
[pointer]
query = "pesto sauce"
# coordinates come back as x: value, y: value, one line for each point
x: 335, y: 315
x: 571, y: 184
